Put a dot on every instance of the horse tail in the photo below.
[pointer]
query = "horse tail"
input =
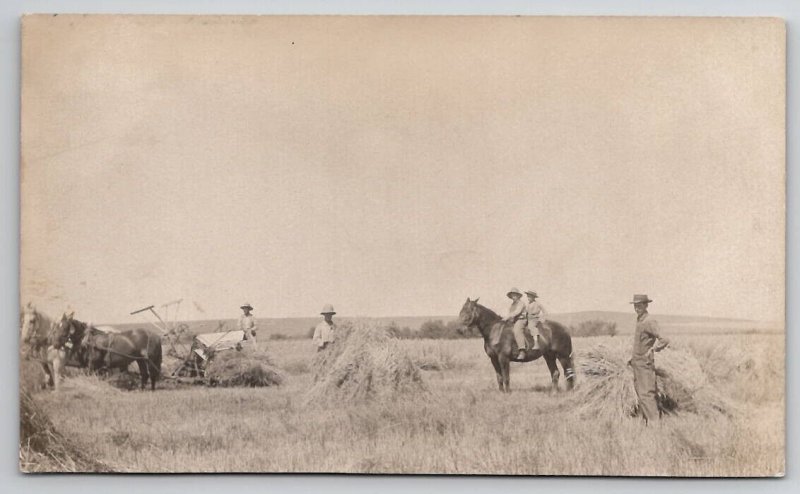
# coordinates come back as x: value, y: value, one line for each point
x: 563, y: 348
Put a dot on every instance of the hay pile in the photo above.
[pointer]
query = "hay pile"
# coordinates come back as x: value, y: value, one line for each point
x: 365, y: 362
x: 752, y: 371
x: 247, y: 367
x: 751, y: 361
x: 43, y: 449
x: 31, y: 375
x: 607, y: 384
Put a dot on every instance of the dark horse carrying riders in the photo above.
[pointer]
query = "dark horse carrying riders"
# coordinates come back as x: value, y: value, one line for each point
x: 501, y: 347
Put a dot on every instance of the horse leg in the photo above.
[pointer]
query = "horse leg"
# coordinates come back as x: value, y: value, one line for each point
x: 498, y: 372
x: 554, y: 374
x: 505, y: 370
x: 48, y: 375
x: 143, y: 372
x: 155, y: 373
x: 569, y: 370
x: 58, y: 368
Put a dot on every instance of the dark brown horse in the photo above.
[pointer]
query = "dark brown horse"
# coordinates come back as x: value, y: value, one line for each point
x: 108, y: 351
x: 501, y: 347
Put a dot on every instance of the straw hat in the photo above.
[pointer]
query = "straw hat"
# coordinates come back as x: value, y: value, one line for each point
x: 641, y: 299
x: 532, y: 293
x: 513, y: 290
x: 327, y: 309
x: 246, y: 306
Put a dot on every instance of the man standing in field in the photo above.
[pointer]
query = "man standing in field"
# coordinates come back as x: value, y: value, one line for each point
x: 536, y: 316
x: 324, y: 332
x: 247, y: 323
x: 646, y: 340
x: 517, y: 316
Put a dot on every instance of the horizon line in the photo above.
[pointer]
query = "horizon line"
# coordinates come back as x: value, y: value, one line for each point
x: 442, y: 317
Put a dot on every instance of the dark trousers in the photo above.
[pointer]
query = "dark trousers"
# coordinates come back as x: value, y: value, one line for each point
x: 644, y: 382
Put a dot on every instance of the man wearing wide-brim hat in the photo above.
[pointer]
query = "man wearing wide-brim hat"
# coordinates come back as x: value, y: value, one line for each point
x: 517, y: 316
x: 325, y: 331
x: 647, y: 339
x: 247, y: 323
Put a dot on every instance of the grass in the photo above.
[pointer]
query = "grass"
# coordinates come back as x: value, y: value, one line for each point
x: 462, y: 424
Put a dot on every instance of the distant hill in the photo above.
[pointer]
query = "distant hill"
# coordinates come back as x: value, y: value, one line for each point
x: 626, y: 322
x: 300, y: 327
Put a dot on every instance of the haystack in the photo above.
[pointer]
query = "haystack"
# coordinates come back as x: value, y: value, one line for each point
x: 43, y: 449
x: 365, y: 362
x: 31, y: 375
x: 606, y: 386
x: 246, y: 367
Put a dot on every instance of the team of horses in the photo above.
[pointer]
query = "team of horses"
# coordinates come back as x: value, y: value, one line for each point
x: 56, y: 343
x: 68, y: 341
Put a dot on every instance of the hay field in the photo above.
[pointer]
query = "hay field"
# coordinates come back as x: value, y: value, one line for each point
x: 458, y: 424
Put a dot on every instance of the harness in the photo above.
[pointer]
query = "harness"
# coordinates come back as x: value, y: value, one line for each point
x: 109, y: 351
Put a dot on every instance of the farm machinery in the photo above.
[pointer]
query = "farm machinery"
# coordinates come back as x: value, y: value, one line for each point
x: 194, y: 352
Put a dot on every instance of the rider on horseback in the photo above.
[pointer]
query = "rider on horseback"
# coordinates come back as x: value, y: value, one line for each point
x: 535, y: 314
x: 518, y: 316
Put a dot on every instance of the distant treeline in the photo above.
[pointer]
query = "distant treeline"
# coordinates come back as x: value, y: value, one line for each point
x: 434, y: 329
x: 454, y: 330
x: 595, y: 327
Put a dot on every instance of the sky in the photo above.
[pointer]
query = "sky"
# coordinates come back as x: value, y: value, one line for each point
x: 396, y: 166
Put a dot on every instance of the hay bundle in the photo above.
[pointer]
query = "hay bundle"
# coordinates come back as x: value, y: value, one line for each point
x: 31, y: 375
x: 751, y: 361
x: 43, y: 449
x: 245, y: 367
x: 752, y: 370
x: 364, y: 362
x: 607, y: 386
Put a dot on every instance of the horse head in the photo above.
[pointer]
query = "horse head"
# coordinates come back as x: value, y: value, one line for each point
x: 470, y: 312
x: 61, y: 331
x: 30, y: 323
x: 67, y: 331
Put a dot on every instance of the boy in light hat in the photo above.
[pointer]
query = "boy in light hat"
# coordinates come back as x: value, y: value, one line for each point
x: 535, y: 315
x: 324, y: 332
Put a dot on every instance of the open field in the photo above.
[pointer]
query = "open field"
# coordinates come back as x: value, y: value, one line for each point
x: 460, y: 425
x: 300, y: 327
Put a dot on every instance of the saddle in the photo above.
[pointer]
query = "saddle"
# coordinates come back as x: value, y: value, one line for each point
x: 544, y: 341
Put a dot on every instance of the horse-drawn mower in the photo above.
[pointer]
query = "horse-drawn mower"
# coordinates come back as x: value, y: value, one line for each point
x: 204, y: 347
x: 195, y: 356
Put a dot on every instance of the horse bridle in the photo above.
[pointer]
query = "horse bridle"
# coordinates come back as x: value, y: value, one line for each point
x: 71, y: 334
x: 473, y: 316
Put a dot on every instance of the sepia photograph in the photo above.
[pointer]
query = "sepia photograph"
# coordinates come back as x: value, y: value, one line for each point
x: 459, y: 245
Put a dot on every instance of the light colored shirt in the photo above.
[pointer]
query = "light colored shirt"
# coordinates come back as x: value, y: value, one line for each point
x: 535, y: 312
x: 247, y: 324
x: 324, y: 333
x: 516, y: 311
x: 644, y: 339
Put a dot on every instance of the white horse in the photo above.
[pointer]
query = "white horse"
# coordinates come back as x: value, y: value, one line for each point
x: 44, y: 341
